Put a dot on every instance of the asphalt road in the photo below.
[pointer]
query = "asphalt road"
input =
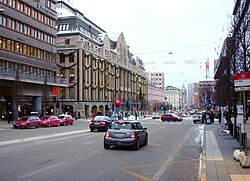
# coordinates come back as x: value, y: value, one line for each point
x: 74, y: 153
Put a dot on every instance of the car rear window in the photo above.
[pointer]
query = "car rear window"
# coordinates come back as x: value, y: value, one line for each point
x: 121, y: 125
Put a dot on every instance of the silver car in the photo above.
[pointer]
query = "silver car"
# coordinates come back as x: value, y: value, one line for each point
x: 126, y: 133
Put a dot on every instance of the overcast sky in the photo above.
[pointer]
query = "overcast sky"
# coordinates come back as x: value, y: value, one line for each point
x: 190, y: 29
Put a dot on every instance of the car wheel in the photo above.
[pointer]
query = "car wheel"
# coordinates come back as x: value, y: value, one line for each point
x: 194, y: 122
x: 137, y: 145
x: 38, y: 126
x: 71, y: 123
x: 146, y: 140
x: 106, y: 146
x: 14, y: 127
x: 28, y: 126
x: 64, y: 124
x: 91, y: 130
x: 49, y: 124
x: 58, y: 124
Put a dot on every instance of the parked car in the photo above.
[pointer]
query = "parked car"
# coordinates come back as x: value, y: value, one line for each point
x: 100, y: 123
x: 197, y: 117
x: 66, y: 119
x: 48, y: 121
x: 27, y: 122
x: 156, y: 116
x: 129, y: 133
x: 170, y: 117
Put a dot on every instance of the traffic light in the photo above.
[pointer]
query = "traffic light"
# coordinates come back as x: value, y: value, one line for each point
x: 117, y: 103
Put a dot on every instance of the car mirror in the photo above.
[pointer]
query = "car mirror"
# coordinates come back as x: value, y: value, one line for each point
x: 145, y: 128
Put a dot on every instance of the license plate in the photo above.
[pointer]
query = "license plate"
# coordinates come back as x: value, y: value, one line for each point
x: 96, y: 123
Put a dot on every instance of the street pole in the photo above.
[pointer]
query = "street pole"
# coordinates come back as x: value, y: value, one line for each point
x: 244, y: 123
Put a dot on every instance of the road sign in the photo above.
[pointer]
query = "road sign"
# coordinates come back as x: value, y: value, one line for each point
x: 242, y: 80
x: 241, y: 88
x: 117, y: 109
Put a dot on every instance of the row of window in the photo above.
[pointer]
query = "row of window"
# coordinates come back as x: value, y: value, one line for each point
x: 30, y: 11
x: 25, y: 49
x: 10, y: 66
x: 26, y: 29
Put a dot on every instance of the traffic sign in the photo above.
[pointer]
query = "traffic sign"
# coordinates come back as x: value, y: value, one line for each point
x: 241, y: 80
x: 117, y: 109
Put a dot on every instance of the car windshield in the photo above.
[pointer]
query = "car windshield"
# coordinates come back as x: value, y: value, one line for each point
x: 61, y: 117
x: 24, y: 118
x: 99, y: 118
x: 121, y: 125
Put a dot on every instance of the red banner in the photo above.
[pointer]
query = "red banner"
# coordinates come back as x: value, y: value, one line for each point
x: 242, y: 76
x: 54, y: 90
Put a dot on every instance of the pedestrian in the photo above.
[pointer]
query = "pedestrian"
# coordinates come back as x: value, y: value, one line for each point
x: 79, y: 115
x: 219, y: 116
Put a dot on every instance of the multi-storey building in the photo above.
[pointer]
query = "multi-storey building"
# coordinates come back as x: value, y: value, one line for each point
x: 156, y: 79
x: 193, y: 96
x: 173, y: 97
x: 28, y: 70
x: 156, y: 98
x: 206, y: 92
x: 99, y: 66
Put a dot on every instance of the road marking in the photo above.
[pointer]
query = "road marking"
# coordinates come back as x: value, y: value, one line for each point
x: 163, y: 168
x: 9, y: 151
x: 136, y: 175
x: 41, y: 170
x: 41, y: 137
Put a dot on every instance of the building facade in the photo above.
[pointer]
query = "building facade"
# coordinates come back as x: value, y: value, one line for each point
x: 193, y: 96
x: 173, y: 97
x: 206, y: 93
x: 28, y: 70
x: 156, y: 99
x: 156, y: 79
x: 98, y: 66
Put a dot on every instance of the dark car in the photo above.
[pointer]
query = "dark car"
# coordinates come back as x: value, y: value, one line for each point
x: 50, y: 120
x: 100, y: 123
x: 170, y: 117
x: 126, y: 133
x: 27, y: 122
x: 66, y: 119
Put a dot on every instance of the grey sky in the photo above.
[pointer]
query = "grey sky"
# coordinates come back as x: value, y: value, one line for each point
x: 190, y: 29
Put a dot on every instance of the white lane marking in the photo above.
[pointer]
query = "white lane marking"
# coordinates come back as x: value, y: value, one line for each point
x: 41, y: 137
x: 9, y: 151
x: 41, y: 170
x: 163, y: 168
x: 212, y: 148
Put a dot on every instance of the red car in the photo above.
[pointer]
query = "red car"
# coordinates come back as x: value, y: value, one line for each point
x: 48, y: 121
x: 66, y: 119
x: 170, y: 117
x: 27, y: 122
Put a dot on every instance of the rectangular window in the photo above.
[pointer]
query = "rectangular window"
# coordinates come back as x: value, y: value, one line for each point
x: 21, y: 47
x: 72, y: 93
x: 1, y: 42
x: 71, y: 75
x: 8, y: 44
x: 21, y: 28
x: 62, y: 73
x: 62, y: 58
x: 71, y: 58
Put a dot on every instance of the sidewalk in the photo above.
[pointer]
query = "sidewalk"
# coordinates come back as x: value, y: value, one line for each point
x: 218, y: 163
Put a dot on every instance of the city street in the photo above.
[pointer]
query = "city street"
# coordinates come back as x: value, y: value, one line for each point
x: 75, y: 153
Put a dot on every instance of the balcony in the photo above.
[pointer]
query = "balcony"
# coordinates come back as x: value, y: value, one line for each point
x: 11, y: 75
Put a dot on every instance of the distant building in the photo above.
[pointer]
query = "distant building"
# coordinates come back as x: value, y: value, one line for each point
x: 156, y: 79
x: 156, y: 98
x: 173, y: 97
x: 193, y: 96
x: 206, y: 92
